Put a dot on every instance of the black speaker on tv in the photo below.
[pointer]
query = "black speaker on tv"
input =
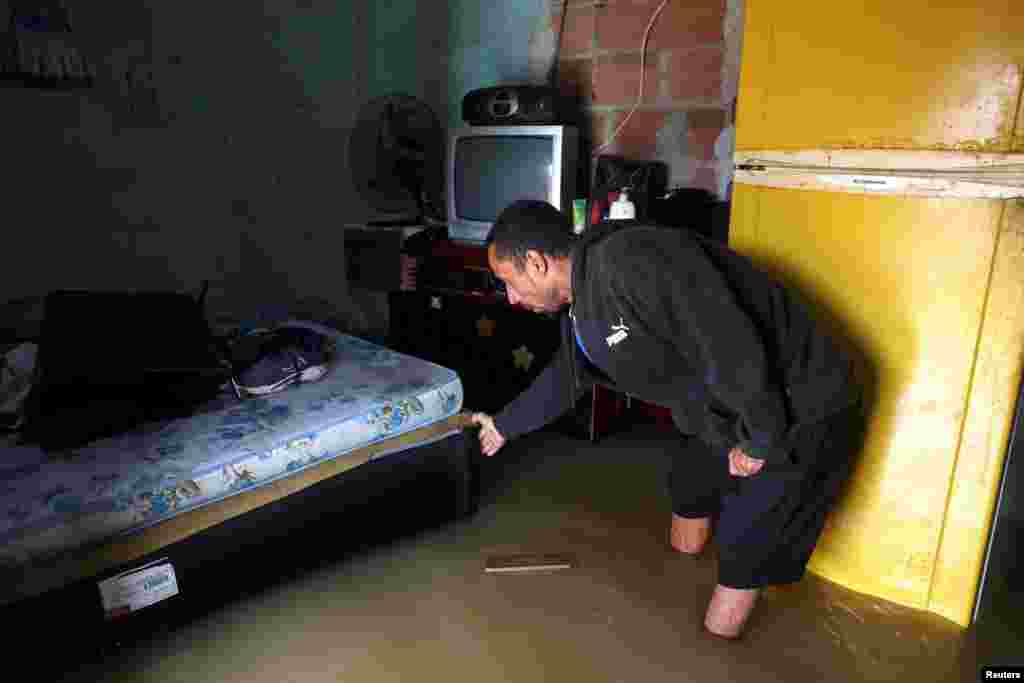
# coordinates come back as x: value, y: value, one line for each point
x: 516, y: 105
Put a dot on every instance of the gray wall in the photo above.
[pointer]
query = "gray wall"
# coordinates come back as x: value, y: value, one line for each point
x: 212, y: 147
x: 439, y: 51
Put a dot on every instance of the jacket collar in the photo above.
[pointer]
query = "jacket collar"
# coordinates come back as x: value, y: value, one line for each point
x: 580, y: 253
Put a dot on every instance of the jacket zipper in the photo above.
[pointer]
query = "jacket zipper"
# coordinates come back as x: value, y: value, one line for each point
x: 570, y: 340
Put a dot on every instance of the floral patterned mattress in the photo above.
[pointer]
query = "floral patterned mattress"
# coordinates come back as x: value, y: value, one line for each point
x: 50, y: 502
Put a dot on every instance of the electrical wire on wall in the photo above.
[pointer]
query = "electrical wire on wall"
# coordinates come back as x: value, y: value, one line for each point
x: 643, y: 78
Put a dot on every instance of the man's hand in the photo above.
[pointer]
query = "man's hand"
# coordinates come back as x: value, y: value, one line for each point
x: 742, y: 465
x: 491, y: 439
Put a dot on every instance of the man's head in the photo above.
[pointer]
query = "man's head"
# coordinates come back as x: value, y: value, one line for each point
x: 528, y: 249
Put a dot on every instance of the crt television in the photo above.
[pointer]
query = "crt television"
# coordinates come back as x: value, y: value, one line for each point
x: 489, y: 167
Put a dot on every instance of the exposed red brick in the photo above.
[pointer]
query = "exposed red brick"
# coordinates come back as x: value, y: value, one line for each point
x: 578, y: 36
x: 695, y: 73
x: 706, y: 178
x: 617, y: 79
x: 704, y: 127
x: 639, y: 138
x: 702, y: 142
x: 576, y: 79
x: 683, y: 23
x: 706, y: 118
x: 599, y: 126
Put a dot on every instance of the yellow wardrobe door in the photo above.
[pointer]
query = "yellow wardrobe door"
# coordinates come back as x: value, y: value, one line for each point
x: 927, y: 293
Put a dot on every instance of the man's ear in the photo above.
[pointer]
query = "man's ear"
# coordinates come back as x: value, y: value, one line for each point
x: 536, y: 262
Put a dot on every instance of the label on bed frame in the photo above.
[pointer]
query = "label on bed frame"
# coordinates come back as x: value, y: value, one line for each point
x: 137, y: 588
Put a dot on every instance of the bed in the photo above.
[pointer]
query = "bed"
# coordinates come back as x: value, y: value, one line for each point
x: 241, y: 492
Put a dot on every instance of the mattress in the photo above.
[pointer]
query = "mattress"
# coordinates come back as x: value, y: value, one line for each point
x: 56, y: 503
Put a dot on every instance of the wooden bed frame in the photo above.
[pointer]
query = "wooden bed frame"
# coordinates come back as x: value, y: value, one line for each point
x: 244, y: 543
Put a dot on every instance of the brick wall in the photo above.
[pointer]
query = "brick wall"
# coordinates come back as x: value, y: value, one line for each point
x: 686, y: 114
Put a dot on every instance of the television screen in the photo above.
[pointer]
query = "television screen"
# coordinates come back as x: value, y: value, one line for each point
x: 492, y: 172
x: 489, y: 167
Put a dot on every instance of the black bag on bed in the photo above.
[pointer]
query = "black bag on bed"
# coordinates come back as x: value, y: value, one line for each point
x: 109, y: 361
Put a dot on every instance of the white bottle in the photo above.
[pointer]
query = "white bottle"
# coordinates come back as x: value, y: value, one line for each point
x: 622, y: 209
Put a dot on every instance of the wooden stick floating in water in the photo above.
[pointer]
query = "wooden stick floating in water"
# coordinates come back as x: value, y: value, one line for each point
x: 530, y: 562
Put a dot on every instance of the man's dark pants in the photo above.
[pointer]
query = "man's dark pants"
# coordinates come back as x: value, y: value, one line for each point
x: 766, y: 525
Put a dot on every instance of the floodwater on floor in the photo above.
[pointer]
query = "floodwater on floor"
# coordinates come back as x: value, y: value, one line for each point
x: 423, y: 609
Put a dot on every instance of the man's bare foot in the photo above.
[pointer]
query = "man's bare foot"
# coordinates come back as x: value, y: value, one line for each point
x: 689, y: 535
x: 729, y: 610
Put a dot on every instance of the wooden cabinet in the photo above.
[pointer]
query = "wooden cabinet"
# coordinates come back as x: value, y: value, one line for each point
x: 496, y: 349
x: 455, y: 318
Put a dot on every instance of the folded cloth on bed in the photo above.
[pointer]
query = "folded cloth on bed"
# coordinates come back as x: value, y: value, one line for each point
x: 109, y: 361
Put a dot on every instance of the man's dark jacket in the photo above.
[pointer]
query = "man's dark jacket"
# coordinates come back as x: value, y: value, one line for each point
x: 680, y: 321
